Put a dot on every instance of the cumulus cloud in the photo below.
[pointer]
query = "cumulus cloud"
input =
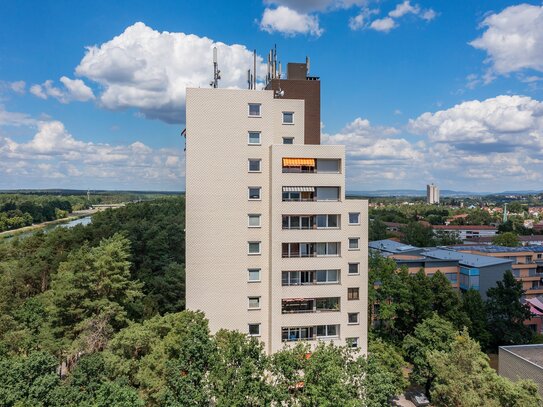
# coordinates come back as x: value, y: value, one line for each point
x: 307, y: 6
x: 498, y: 124
x: 149, y: 70
x: 74, y: 90
x: 513, y: 40
x: 54, y: 153
x: 390, y: 21
x: 289, y: 22
x: 14, y: 118
x: 18, y: 87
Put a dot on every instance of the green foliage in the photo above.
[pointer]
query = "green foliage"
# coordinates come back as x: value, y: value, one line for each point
x: 506, y: 313
x: 509, y: 239
x: 433, y: 334
x: 463, y: 378
x: 388, y: 359
x: 377, y: 230
x: 446, y: 238
x: 417, y: 234
x: 475, y: 309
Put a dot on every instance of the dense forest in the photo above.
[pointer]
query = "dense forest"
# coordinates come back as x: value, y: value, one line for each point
x: 94, y: 316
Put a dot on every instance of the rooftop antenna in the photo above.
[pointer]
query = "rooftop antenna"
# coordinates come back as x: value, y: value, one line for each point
x: 254, y: 69
x: 307, y: 65
x: 249, y: 79
x: 216, y: 72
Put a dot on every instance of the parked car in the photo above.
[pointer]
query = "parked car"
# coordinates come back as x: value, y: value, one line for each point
x: 419, y: 399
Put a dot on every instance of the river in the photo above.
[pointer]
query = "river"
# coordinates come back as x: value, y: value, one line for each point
x: 80, y: 221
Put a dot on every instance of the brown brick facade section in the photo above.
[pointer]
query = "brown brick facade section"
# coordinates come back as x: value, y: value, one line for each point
x: 308, y: 90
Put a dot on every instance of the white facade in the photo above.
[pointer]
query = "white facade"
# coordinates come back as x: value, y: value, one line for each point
x: 245, y: 257
x: 432, y: 194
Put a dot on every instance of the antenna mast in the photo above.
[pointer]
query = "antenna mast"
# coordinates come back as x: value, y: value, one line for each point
x: 216, y: 72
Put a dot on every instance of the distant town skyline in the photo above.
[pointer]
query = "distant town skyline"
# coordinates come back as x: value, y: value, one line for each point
x: 93, y: 96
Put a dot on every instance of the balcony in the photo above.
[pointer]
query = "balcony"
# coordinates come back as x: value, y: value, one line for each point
x: 309, y: 333
x: 329, y: 249
x: 310, y: 277
x: 306, y: 222
x: 309, y: 305
x: 310, y: 194
x: 311, y: 165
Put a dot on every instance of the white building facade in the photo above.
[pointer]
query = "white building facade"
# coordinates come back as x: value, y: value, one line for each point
x: 273, y: 248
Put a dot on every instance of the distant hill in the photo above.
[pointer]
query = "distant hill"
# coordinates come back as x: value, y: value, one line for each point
x: 54, y: 191
x: 443, y: 193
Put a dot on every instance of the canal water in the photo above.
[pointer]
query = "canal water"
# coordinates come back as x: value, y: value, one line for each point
x: 81, y: 221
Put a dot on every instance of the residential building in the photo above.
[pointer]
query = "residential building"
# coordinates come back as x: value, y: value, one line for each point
x: 522, y: 362
x: 468, y: 232
x: 432, y: 194
x: 526, y: 263
x: 464, y: 270
x: 273, y: 247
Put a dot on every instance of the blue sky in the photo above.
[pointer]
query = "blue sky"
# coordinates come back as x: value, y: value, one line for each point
x: 92, y: 93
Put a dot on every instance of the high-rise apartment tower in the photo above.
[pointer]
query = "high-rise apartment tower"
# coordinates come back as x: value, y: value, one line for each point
x: 432, y: 194
x: 273, y: 247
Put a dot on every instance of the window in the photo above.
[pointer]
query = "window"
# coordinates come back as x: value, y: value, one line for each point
x: 327, y: 276
x: 288, y: 118
x: 353, y: 243
x: 327, y: 194
x: 452, y: 277
x: 254, y: 275
x: 254, y: 165
x: 352, y: 342
x: 254, y: 109
x: 254, y: 220
x: 254, y: 302
x: 297, y: 333
x: 327, y: 331
x: 353, y: 294
x: 288, y: 140
x: 254, y: 138
x: 254, y: 329
x: 254, y: 193
x: 327, y: 221
x: 327, y: 249
x: 254, y: 247
x: 353, y: 268
x: 353, y: 318
x: 354, y: 218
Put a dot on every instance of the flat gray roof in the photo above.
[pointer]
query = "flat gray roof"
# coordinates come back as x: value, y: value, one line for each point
x: 499, y: 249
x: 391, y: 246
x: 533, y: 353
x: 467, y: 259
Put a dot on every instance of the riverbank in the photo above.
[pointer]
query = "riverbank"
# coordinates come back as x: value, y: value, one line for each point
x: 34, y: 228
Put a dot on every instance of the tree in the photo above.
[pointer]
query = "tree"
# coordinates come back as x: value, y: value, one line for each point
x: 237, y: 375
x: 446, y: 238
x: 90, y: 294
x: 417, y: 234
x: 508, y: 239
x: 377, y: 230
x: 447, y: 302
x: 388, y: 359
x: 433, y: 334
x: 475, y: 309
x: 506, y: 313
x: 463, y: 378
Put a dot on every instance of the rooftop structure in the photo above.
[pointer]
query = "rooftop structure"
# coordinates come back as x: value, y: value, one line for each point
x: 392, y: 246
x: 522, y: 362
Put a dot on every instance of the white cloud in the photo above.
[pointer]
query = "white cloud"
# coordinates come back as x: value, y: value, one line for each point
x: 307, y: 6
x: 75, y: 90
x: 18, y: 87
x: 403, y: 9
x: 149, y: 70
x: 53, y: 153
x: 390, y: 21
x: 289, y: 22
x: 498, y: 124
x: 513, y: 39
x: 383, y: 24
x: 14, y: 118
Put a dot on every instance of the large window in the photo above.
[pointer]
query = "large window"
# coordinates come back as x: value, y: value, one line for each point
x: 298, y: 222
x: 253, y: 275
x: 302, y: 333
x: 310, y: 277
x: 327, y: 249
x: 254, y: 165
x: 327, y: 194
x: 254, y: 109
x: 353, y: 294
x: 327, y: 221
x: 253, y: 138
x: 254, y: 247
x: 327, y: 331
x: 254, y: 193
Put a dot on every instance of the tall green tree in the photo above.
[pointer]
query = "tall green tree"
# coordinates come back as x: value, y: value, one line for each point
x: 475, y: 308
x: 463, y: 378
x: 509, y: 239
x: 377, y: 230
x: 417, y: 234
x: 506, y: 313
x: 447, y: 302
x: 433, y: 334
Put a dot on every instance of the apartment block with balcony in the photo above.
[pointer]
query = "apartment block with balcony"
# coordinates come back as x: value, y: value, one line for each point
x: 273, y: 247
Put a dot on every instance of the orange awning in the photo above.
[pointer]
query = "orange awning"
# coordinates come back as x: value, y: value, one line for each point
x: 298, y: 162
